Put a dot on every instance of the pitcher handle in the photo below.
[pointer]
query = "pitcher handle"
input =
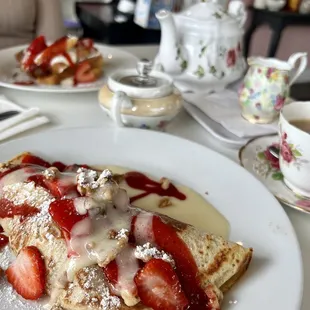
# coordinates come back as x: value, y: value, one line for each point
x: 302, y: 66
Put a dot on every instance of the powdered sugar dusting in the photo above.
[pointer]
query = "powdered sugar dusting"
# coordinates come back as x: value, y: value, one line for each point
x: 5, y: 258
x: 10, y: 300
x: 147, y: 252
x: 29, y: 193
x: 108, y: 302
x: 87, y: 178
x: 122, y: 234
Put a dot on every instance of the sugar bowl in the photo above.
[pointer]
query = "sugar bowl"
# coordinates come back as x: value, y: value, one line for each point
x: 140, y: 97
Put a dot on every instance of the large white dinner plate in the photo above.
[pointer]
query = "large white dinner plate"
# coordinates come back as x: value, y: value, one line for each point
x: 274, y: 280
x: 114, y: 59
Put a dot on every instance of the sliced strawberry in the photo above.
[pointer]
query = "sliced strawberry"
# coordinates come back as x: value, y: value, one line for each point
x: 167, y: 239
x: 64, y: 214
x: 159, y: 286
x: 35, y: 160
x: 74, y: 168
x: 84, y: 74
x: 57, y: 48
x: 1, y: 229
x: 59, y: 165
x: 111, y: 272
x: 38, y: 179
x: 87, y: 43
x: 36, y: 47
x: 59, y: 187
x: 27, y: 274
x: 4, y: 240
x: 8, y: 209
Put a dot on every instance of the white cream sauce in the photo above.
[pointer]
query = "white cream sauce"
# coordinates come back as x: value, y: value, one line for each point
x: 195, y: 210
x: 91, y: 239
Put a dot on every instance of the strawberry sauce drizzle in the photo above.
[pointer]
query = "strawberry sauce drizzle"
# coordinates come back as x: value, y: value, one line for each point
x: 8, y: 209
x: 168, y: 240
x: 68, y: 58
x: 140, y: 181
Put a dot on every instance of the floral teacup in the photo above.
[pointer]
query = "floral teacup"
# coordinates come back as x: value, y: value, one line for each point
x: 295, y: 148
x: 266, y: 87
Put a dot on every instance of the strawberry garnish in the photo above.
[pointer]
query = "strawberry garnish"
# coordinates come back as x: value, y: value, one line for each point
x: 64, y: 214
x: 8, y: 209
x: 35, y: 160
x: 75, y: 167
x: 57, y: 48
x: 59, y: 165
x: 36, y: 47
x: 84, y: 73
x: 38, y: 179
x: 86, y: 43
x: 159, y: 286
x: 27, y: 273
x: 4, y: 240
x: 111, y: 272
x: 58, y: 188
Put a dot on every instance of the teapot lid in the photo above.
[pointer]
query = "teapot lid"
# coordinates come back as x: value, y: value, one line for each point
x: 209, y: 11
x: 141, y: 82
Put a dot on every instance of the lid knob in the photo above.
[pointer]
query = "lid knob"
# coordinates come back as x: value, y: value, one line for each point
x: 144, y: 67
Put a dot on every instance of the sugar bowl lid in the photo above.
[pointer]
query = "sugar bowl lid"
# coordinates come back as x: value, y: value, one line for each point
x: 141, y: 82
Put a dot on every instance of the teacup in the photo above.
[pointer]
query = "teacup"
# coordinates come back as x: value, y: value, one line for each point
x: 294, y: 131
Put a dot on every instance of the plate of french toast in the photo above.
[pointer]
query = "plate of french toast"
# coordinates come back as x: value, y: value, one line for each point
x: 69, y: 64
x: 128, y: 224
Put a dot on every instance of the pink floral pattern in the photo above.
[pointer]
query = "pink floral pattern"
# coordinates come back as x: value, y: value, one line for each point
x: 304, y: 203
x: 231, y: 58
x: 285, y: 149
x: 280, y: 100
x: 271, y: 163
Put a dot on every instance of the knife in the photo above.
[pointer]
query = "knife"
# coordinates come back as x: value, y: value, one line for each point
x: 8, y: 114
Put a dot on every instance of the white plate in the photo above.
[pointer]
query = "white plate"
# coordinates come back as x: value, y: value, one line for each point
x: 274, y: 280
x: 214, y: 128
x: 113, y: 59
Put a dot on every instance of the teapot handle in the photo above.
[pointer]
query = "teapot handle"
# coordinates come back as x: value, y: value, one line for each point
x: 302, y: 66
x: 119, y: 100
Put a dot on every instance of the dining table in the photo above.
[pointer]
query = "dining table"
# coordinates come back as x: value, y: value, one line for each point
x: 68, y: 110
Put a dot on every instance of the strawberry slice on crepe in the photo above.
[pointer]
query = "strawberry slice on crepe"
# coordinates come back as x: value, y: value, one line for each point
x: 159, y: 286
x: 27, y: 273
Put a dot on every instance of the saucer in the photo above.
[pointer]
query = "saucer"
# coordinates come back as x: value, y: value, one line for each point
x: 255, y: 158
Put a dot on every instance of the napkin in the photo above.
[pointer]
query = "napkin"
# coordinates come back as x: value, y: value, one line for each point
x: 223, y: 107
x: 25, y: 120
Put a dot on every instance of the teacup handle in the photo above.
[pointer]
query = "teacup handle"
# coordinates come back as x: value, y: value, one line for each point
x: 119, y: 100
x: 302, y: 66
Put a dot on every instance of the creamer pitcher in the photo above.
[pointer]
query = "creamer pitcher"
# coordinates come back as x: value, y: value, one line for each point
x: 266, y: 86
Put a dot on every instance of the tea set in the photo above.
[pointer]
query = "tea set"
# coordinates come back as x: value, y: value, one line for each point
x: 201, y: 51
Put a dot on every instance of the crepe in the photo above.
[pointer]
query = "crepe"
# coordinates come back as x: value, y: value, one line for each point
x: 219, y: 263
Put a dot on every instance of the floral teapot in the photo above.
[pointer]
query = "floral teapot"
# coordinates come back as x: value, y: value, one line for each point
x: 201, y: 46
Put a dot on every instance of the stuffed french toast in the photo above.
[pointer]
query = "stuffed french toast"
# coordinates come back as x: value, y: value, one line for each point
x: 67, y: 61
x: 78, y: 240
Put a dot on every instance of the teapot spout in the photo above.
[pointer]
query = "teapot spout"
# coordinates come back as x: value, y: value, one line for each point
x: 169, y: 47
